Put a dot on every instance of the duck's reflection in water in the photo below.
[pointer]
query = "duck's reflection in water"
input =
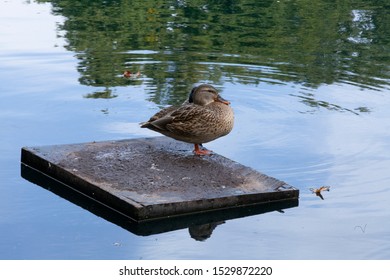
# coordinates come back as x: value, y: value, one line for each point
x: 203, y: 232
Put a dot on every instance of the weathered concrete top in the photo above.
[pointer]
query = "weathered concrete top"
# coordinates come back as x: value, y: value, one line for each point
x: 155, y: 177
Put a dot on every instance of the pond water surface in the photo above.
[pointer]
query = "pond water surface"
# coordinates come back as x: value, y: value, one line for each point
x: 309, y: 82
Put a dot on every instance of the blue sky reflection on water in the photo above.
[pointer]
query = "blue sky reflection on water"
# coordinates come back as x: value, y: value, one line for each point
x: 278, y: 131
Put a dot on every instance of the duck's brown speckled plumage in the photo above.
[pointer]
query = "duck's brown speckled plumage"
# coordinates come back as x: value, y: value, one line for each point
x: 204, y: 117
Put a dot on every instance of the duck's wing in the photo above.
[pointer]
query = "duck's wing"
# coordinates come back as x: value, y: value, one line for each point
x: 188, y: 119
x: 183, y: 120
x: 158, y: 119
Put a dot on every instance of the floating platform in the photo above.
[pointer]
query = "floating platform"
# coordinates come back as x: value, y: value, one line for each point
x: 155, y: 178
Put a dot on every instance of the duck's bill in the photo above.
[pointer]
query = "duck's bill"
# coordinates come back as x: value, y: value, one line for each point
x: 222, y: 100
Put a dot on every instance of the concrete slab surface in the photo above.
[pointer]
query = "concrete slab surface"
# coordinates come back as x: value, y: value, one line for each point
x: 151, y: 178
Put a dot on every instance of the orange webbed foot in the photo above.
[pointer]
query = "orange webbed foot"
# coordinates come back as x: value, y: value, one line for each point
x: 201, y: 151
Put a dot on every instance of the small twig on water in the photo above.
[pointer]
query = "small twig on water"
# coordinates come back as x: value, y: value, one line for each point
x: 363, y: 229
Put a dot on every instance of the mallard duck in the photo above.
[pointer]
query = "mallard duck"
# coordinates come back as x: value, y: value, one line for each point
x: 203, y: 117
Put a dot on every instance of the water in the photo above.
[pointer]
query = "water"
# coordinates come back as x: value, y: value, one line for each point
x: 309, y: 83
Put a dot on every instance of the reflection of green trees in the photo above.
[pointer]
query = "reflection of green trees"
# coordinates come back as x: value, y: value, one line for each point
x: 311, y: 42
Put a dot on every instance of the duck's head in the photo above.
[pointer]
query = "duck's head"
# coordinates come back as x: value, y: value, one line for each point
x: 205, y: 94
